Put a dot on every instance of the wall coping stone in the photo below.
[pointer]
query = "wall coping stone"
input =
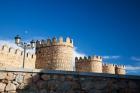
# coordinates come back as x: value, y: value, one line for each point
x: 69, y: 73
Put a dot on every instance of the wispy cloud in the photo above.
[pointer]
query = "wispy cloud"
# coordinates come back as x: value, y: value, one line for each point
x: 133, y: 70
x: 78, y: 54
x: 11, y: 43
x: 135, y: 58
x: 129, y: 67
x: 111, y: 57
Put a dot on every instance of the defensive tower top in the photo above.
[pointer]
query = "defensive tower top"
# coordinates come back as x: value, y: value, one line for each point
x: 55, y: 42
x: 89, y: 58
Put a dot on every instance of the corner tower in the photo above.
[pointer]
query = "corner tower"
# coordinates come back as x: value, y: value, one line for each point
x: 120, y: 69
x: 90, y: 64
x: 54, y: 54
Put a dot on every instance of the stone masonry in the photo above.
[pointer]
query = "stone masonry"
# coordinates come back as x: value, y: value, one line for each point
x: 95, y: 64
x: 11, y: 57
x: 54, y: 55
x: 46, y: 81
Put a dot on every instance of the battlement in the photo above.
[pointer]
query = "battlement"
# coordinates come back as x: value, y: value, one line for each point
x: 120, y: 69
x: 13, y: 57
x: 89, y: 64
x: 5, y: 49
x: 109, y: 65
x: 89, y: 58
x: 82, y: 59
x: 120, y: 66
x: 96, y: 58
x: 108, y: 68
x: 55, y: 42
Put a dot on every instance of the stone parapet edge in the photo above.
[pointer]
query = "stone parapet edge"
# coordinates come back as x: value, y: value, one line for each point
x: 69, y: 73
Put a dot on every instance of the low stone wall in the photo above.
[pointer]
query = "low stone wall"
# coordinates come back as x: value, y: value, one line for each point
x: 44, y: 81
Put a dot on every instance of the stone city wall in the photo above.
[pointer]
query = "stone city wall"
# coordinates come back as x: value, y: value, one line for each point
x: 11, y: 57
x: 54, y: 54
x: 47, y: 81
x: 95, y: 64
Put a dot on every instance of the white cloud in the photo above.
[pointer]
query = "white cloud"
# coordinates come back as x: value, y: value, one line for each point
x: 111, y: 57
x: 129, y: 67
x: 135, y: 58
x: 11, y: 43
x: 78, y: 54
x: 133, y: 70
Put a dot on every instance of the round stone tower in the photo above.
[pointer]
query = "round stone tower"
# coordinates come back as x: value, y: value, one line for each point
x: 120, y: 69
x: 90, y: 64
x: 96, y: 64
x: 54, y: 54
x: 109, y: 68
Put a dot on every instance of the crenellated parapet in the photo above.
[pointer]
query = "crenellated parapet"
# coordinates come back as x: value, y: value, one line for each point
x: 89, y: 58
x: 55, y: 54
x: 89, y: 64
x: 54, y: 42
x: 82, y: 59
x: 109, y: 68
x: 120, y: 69
x: 12, y: 57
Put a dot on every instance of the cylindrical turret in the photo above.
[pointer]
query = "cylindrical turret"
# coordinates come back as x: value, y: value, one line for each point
x: 96, y: 64
x: 120, y: 69
x: 109, y: 68
x: 55, y: 54
x: 90, y: 64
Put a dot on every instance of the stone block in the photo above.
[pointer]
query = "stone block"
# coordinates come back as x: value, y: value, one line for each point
x: 2, y: 75
x: 27, y: 78
x: 19, y: 78
x: 132, y: 84
x: 45, y: 77
x: 41, y: 84
x: 2, y: 87
x: 43, y: 91
x: 36, y: 78
x: 10, y: 76
x: 10, y: 87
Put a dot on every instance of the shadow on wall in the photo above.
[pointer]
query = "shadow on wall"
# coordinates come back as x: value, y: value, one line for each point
x: 44, y: 82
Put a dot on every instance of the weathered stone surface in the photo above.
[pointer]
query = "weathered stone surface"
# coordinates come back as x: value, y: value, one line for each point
x: 27, y: 78
x: 132, y: 84
x: 43, y: 91
x: 2, y: 75
x: 45, y: 77
x: 63, y: 83
x: 100, y: 84
x: 21, y: 86
x: 41, y: 84
x: 122, y: 84
x: 36, y: 78
x: 86, y: 85
x: 10, y: 76
x: 16, y: 84
x: 96, y: 91
x: 12, y: 58
x: 10, y: 87
x: 2, y: 87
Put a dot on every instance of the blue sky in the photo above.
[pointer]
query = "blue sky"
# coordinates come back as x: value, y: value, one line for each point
x: 110, y: 28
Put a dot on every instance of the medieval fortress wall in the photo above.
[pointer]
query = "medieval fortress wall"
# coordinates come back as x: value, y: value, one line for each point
x: 12, y: 57
x: 55, y: 54
x: 95, y: 64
